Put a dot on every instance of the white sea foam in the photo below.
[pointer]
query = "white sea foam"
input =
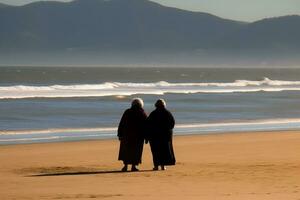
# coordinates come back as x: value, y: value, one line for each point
x: 48, y: 138
x: 110, y: 131
x: 48, y: 135
x: 62, y: 130
x: 266, y: 122
x: 157, y: 88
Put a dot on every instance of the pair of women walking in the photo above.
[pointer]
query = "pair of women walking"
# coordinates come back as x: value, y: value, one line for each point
x: 136, y: 127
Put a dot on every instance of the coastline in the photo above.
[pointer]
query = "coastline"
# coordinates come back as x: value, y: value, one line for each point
x: 11, y: 137
x: 250, y: 165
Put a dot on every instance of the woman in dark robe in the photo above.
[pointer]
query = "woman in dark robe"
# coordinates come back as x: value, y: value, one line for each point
x: 131, y: 135
x: 160, y: 124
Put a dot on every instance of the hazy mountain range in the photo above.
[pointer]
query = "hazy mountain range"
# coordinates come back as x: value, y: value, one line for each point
x: 129, y: 26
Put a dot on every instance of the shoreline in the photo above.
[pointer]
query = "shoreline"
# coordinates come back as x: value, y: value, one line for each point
x: 175, y: 135
x: 252, y: 165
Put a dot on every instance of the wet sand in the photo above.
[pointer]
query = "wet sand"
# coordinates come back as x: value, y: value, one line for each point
x: 258, y: 166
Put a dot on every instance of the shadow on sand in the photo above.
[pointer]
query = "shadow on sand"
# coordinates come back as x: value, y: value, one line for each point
x: 86, y: 173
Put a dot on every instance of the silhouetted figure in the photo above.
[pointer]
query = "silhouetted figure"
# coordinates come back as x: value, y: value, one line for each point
x: 160, y: 124
x: 131, y: 135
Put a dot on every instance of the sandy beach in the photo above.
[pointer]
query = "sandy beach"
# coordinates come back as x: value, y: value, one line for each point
x: 259, y: 166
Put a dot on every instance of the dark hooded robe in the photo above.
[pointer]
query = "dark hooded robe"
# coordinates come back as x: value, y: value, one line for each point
x: 160, y: 124
x: 131, y: 134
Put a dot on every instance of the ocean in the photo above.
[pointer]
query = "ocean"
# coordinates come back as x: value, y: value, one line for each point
x: 53, y: 104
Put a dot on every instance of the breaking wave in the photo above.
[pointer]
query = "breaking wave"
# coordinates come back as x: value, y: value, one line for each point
x: 157, y: 88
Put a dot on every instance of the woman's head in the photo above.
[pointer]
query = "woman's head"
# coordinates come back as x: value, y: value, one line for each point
x: 137, y: 102
x: 160, y: 103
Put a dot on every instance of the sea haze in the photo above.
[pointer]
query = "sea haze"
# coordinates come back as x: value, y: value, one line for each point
x: 40, y: 104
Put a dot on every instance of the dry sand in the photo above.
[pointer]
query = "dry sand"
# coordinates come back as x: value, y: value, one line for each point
x: 258, y: 166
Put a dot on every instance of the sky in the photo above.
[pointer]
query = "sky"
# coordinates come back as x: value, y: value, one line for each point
x: 243, y: 10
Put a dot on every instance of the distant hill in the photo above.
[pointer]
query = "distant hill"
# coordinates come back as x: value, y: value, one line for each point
x: 3, y: 5
x: 90, y: 27
x: 102, y: 24
x: 274, y: 33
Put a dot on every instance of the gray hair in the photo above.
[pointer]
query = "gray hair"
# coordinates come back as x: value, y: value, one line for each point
x: 160, y: 103
x: 137, y: 102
